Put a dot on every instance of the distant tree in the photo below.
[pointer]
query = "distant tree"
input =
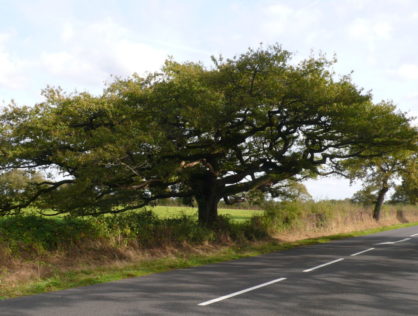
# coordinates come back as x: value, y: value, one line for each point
x: 16, y: 185
x: 407, y: 191
x: 365, y: 196
x: 253, y: 121
x: 378, y: 175
x: 289, y: 190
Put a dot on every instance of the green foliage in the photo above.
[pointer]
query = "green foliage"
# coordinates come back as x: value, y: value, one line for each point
x: 378, y: 174
x: 16, y: 185
x: 235, y: 215
x: 366, y: 196
x: 288, y: 190
x: 407, y: 192
x: 287, y: 216
x: 34, y: 235
x: 295, y: 215
x: 147, y: 230
x: 283, y: 215
x: 255, y: 121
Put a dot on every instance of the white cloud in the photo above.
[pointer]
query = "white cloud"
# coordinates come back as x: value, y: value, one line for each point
x: 134, y: 56
x: 67, y: 32
x: 90, y: 53
x: 65, y: 64
x: 358, y: 4
x: 279, y: 10
x: 279, y: 19
x: 366, y: 30
x: 358, y: 28
x: 408, y: 71
x: 383, y: 30
x: 4, y: 37
x: 11, y: 68
x: 372, y: 33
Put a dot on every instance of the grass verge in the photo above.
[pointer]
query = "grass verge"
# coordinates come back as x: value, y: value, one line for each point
x: 182, y: 259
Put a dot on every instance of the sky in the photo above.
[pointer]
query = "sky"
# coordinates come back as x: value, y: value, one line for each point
x: 80, y: 45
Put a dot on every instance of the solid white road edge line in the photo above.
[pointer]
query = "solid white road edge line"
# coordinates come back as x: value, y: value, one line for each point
x: 360, y: 252
x: 240, y: 292
x: 323, y: 265
x: 393, y: 242
x: 414, y: 235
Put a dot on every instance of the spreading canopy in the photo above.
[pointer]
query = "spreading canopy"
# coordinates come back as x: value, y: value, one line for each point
x: 250, y: 122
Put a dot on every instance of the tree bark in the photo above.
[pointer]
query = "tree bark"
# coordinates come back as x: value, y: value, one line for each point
x: 379, y: 202
x: 207, y: 197
x: 207, y: 209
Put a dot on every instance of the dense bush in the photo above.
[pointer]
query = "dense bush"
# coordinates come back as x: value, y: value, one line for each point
x: 28, y: 236
x: 35, y: 234
x: 283, y: 215
x: 31, y: 235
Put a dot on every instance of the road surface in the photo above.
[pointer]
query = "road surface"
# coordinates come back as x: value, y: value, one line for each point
x: 369, y: 275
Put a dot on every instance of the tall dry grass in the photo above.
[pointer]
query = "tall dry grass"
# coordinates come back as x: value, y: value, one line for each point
x: 298, y: 220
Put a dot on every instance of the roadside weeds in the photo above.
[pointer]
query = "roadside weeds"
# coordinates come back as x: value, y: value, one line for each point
x: 40, y: 277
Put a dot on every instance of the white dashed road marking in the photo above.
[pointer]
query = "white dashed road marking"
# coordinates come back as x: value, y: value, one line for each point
x: 359, y: 253
x: 240, y: 292
x: 323, y: 265
x: 393, y: 242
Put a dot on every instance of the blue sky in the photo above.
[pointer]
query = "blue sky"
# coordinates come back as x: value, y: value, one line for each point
x: 80, y: 44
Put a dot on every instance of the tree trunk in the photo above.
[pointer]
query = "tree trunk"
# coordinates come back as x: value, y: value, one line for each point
x: 379, y: 202
x: 207, y: 209
x: 207, y: 198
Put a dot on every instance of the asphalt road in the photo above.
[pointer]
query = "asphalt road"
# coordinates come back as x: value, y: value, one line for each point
x: 369, y: 275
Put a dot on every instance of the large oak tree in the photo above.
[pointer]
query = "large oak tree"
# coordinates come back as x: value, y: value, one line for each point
x: 251, y: 122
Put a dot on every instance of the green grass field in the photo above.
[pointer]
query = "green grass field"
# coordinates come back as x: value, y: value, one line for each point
x: 164, y: 212
x: 176, y: 211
